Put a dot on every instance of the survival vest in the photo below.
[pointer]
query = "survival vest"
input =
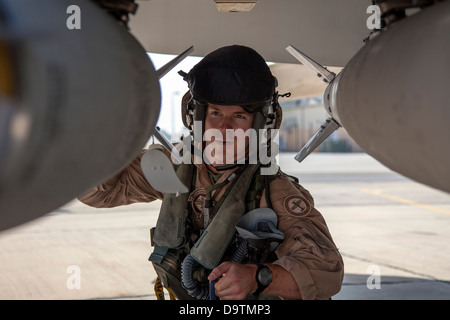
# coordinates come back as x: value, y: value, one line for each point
x: 172, y: 236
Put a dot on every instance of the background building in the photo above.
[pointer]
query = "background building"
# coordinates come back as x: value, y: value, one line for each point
x: 302, y: 118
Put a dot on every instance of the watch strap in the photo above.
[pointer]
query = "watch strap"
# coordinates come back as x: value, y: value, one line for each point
x: 261, y: 286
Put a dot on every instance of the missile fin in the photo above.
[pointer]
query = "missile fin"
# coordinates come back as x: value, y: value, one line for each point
x: 161, y: 72
x: 320, y: 70
x: 166, y: 143
x: 160, y: 173
x: 324, y: 132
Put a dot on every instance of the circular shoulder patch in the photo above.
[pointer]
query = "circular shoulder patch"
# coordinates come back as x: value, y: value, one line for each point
x: 197, y: 198
x: 297, y: 206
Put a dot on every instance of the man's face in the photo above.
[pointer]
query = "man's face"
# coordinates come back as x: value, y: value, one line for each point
x: 226, y: 120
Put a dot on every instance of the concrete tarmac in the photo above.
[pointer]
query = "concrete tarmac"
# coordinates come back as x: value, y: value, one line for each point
x: 393, y: 234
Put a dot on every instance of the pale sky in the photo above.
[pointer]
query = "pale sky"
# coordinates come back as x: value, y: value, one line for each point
x: 173, y: 88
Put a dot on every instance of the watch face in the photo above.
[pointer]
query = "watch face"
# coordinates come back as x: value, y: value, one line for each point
x: 265, y: 276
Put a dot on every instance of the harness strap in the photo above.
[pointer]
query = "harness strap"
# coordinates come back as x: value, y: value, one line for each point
x: 159, y: 291
x: 210, y: 203
x: 207, y: 250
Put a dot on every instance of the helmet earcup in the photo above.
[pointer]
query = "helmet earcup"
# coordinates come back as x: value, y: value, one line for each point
x: 187, y: 110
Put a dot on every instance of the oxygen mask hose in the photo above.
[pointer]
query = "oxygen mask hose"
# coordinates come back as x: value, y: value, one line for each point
x: 240, y: 252
x: 193, y: 287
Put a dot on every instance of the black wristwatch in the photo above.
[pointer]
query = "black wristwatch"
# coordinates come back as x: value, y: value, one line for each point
x: 263, y: 278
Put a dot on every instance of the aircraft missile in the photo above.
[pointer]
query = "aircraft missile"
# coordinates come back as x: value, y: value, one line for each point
x: 392, y: 97
x: 79, y: 99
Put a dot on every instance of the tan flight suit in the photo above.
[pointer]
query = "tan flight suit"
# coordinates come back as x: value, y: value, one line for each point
x: 308, y: 251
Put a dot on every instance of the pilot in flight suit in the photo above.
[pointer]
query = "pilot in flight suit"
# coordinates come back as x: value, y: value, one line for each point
x: 232, y: 88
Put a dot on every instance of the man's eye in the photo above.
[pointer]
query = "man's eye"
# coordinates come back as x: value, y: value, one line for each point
x: 241, y: 116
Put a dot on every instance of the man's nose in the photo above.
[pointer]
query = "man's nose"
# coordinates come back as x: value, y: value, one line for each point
x: 226, y: 124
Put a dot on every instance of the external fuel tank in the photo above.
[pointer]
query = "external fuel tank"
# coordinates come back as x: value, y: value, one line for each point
x: 77, y: 104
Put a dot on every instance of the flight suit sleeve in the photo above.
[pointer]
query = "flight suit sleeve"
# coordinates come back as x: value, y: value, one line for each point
x: 127, y: 187
x: 308, y: 251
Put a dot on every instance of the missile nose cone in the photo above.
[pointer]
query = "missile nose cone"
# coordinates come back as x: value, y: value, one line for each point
x: 392, y: 97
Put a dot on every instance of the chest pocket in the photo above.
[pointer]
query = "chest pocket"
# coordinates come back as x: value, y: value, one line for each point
x: 170, y: 226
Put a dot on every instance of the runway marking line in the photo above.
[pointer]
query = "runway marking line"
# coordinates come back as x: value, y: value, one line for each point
x: 406, y: 201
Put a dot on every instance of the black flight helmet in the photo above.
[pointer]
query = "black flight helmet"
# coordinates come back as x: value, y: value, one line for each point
x: 232, y: 75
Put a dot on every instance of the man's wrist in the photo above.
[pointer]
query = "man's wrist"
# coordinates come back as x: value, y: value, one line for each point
x: 254, y: 284
x: 263, y: 278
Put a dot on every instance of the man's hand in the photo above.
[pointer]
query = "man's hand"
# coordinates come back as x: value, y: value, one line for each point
x: 237, y: 282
